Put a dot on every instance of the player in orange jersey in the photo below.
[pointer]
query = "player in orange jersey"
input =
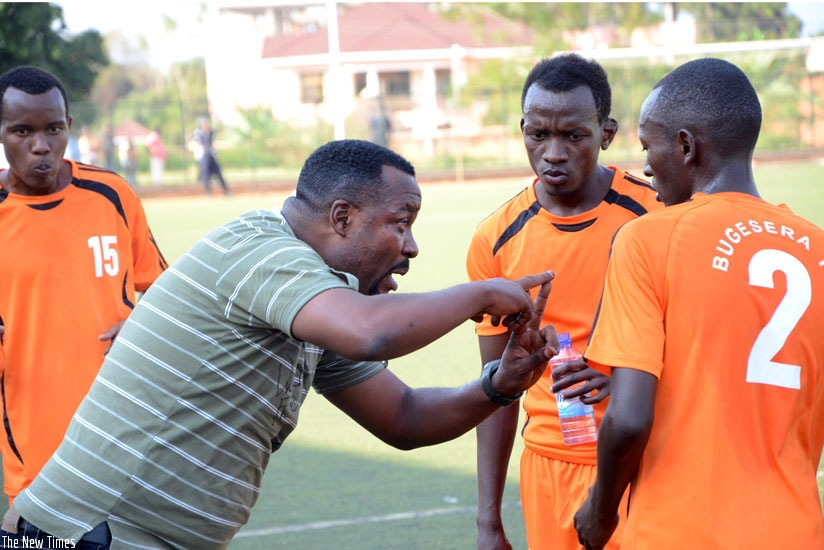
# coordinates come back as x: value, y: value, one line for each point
x: 76, y: 250
x: 711, y: 323
x: 565, y: 221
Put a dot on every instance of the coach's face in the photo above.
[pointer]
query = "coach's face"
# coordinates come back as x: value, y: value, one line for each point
x: 379, y: 241
x: 34, y: 131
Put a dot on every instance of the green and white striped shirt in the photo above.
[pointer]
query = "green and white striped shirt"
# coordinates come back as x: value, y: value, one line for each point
x: 203, y: 383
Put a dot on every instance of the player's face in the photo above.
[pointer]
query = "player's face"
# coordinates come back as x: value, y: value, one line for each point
x: 669, y: 176
x: 34, y: 132
x: 381, y: 239
x: 563, y: 137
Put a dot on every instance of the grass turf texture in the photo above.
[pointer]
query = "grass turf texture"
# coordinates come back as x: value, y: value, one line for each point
x: 333, y: 485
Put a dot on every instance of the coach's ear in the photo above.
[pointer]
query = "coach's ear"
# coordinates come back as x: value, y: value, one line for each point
x: 340, y: 216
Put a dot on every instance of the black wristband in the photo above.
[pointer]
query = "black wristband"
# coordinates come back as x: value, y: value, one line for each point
x: 486, y: 381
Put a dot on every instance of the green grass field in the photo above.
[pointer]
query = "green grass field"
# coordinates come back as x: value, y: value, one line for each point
x: 333, y: 485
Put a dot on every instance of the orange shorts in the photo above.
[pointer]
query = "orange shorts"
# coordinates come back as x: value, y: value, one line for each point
x: 551, y: 493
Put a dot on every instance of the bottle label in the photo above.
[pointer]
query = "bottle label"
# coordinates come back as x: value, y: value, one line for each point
x: 571, y: 408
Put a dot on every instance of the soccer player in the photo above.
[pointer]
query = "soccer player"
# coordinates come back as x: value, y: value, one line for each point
x: 711, y: 329
x: 564, y: 221
x: 76, y: 250
x: 208, y: 376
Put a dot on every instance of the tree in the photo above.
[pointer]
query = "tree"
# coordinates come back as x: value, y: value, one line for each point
x: 36, y: 34
x: 738, y: 21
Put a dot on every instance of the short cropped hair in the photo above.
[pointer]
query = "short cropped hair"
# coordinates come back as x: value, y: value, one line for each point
x: 348, y: 169
x: 567, y: 72
x: 31, y: 80
x: 714, y: 97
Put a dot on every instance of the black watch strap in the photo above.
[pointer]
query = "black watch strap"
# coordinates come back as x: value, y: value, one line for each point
x: 486, y: 381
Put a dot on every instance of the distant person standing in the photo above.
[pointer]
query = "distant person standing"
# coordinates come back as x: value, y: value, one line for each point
x: 157, y: 156
x: 87, y: 146
x: 207, y: 163
x: 379, y: 127
x: 128, y: 161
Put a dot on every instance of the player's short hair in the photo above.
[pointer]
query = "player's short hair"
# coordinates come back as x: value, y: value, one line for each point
x: 567, y: 72
x: 31, y: 80
x: 712, y: 97
x: 348, y: 169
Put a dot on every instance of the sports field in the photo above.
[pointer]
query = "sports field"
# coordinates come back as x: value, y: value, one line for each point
x: 334, y: 486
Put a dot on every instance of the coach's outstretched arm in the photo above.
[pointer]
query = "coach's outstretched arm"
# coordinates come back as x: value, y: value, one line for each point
x: 407, y: 418
x: 376, y: 328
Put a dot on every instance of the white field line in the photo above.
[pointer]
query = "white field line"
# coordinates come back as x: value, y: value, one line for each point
x: 248, y: 533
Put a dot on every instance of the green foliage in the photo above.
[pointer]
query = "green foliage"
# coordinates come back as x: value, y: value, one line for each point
x: 737, y: 21
x: 35, y: 34
x: 264, y: 141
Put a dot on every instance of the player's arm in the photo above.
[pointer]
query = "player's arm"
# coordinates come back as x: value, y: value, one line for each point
x: 622, y: 438
x: 496, y: 437
x: 407, y: 418
x: 382, y: 327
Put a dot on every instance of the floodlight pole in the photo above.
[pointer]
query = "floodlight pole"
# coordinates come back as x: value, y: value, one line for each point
x: 336, y: 82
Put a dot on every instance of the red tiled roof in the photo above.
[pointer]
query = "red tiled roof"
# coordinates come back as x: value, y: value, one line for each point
x: 401, y: 26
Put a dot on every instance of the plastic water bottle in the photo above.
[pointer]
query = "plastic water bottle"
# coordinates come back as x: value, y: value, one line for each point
x: 577, y: 419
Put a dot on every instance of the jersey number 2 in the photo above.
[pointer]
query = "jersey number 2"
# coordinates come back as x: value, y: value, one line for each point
x: 105, y: 255
x: 761, y: 369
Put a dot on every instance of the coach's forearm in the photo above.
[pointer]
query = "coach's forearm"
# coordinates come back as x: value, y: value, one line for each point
x: 433, y: 415
x: 388, y: 326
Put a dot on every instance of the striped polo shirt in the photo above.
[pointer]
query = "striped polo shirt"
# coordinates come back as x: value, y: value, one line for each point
x: 203, y: 383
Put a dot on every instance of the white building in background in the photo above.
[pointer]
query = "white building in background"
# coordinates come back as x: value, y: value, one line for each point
x: 405, y: 58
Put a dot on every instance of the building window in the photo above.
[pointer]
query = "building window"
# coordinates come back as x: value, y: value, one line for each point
x: 395, y: 84
x: 443, y: 82
x: 311, y: 88
x: 360, y: 82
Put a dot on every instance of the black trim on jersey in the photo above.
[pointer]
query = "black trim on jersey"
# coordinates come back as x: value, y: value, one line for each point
x: 613, y: 197
x: 3, y: 195
x: 124, y: 293
x: 109, y: 193
x: 638, y: 181
x: 573, y: 227
x: 6, y: 423
x: 516, y: 226
x: 45, y: 206
x: 162, y: 261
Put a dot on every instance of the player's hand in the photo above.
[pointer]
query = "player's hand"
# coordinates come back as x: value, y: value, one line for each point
x: 513, y: 303
x: 596, y: 384
x: 593, y: 532
x: 110, y: 335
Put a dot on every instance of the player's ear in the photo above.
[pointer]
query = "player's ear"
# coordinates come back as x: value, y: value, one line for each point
x: 686, y: 146
x: 608, y: 130
x: 340, y: 216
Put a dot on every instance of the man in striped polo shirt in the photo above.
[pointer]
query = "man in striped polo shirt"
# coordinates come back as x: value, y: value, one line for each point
x: 207, y: 376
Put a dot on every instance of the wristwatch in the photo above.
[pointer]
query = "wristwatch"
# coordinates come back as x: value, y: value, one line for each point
x: 486, y: 381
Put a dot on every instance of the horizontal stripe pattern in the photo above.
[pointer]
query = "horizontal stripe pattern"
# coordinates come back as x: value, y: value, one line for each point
x: 202, y: 385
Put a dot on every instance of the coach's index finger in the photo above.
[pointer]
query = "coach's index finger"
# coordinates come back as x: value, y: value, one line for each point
x: 539, y: 305
x: 545, y: 281
x: 531, y: 281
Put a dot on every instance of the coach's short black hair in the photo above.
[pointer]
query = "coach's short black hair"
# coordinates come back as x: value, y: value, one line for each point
x: 31, y: 80
x: 348, y: 169
x: 567, y: 72
x: 715, y: 98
